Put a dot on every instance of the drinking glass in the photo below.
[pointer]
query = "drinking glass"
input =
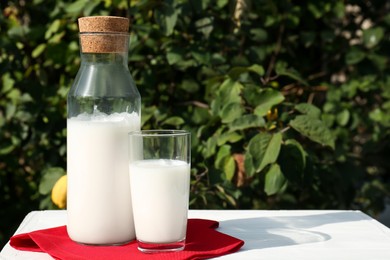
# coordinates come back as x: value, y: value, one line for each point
x: 159, y: 164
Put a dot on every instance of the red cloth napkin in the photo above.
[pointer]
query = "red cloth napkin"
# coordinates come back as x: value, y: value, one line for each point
x: 202, y: 242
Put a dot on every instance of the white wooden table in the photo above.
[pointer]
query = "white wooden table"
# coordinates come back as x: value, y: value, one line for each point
x: 286, y: 234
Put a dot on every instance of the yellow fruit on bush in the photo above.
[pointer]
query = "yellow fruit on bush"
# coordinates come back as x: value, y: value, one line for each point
x: 58, y: 193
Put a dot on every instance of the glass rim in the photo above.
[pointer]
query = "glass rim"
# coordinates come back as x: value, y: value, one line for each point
x: 159, y: 133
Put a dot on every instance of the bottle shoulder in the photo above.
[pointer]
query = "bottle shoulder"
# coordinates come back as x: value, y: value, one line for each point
x: 104, y: 80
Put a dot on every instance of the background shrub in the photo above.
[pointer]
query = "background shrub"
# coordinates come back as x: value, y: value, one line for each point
x: 287, y: 101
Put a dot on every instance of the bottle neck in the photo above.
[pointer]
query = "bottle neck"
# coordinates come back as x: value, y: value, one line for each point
x: 120, y: 58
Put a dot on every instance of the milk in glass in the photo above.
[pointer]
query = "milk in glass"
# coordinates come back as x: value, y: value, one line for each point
x: 160, y: 194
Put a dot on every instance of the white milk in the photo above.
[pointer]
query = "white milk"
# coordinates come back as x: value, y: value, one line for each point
x: 99, y: 199
x: 160, y: 194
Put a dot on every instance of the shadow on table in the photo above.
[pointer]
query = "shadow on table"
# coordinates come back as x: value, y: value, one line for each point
x: 266, y: 232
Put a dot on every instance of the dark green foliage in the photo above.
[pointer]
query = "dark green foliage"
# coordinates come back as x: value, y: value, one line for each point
x: 288, y: 101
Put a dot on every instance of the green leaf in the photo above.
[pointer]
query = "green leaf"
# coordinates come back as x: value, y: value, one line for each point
x: 247, y: 121
x: 231, y: 137
x: 259, y: 70
x: 53, y: 28
x: 319, y: 8
x: 274, y: 180
x: 282, y: 70
x: 50, y: 176
x: 292, y: 160
x: 174, y: 120
x: 210, y: 147
x: 56, y: 39
x: 266, y: 100
x: 224, y: 195
x: 314, y: 129
x: 90, y: 7
x: 235, y: 72
x: 343, y: 117
x: 10, y: 111
x: 166, y: 16
x: 376, y: 115
x: 222, y: 3
x: 308, y: 109
x: 147, y: 113
x: 205, y: 26
x: 264, y: 149
x: 228, y: 92
x: 6, y: 148
x: 339, y: 10
x: 231, y: 112
x: 76, y: 7
x: 190, y: 86
x: 258, y: 34
x: 248, y: 165
x: 14, y: 95
x: 372, y: 36
x: 174, y: 56
x: 46, y: 203
x: 229, y: 167
x: 8, y: 82
x: 368, y: 83
x: 379, y: 60
x: 354, y: 55
x: 223, y: 152
x: 348, y: 89
x: 225, y: 161
x: 251, y: 94
x: 201, y: 57
x: 200, y: 116
x: 38, y: 50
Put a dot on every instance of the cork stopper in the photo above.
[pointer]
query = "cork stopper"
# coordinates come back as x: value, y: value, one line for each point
x: 103, y: 34
x: 104, y: 24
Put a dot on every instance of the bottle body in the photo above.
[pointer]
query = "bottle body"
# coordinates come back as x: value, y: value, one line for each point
x: 103, y: 106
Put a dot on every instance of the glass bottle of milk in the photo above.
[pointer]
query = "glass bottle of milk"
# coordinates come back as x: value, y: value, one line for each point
x: 103, y: 106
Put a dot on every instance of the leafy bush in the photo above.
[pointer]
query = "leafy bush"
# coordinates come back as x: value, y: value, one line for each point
x: 287, y: 101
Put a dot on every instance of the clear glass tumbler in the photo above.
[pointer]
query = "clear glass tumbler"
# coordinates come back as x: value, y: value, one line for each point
x: 160, y: 163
